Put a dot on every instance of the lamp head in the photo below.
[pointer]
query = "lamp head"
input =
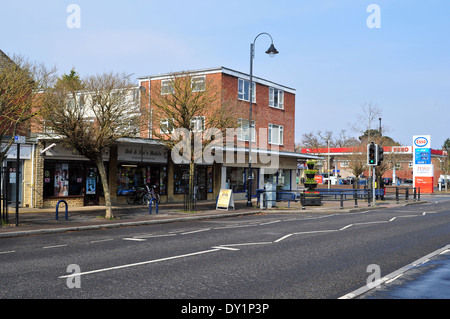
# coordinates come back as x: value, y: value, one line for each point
x: 272, y: 51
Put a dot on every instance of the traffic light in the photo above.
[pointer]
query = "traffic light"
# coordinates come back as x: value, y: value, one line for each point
x: 380, y: 155
x: 372, y: 154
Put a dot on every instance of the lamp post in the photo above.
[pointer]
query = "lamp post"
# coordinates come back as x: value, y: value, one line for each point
x: 271, y: 52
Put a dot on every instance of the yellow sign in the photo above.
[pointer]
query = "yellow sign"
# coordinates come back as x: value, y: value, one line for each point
x: 225, y: 200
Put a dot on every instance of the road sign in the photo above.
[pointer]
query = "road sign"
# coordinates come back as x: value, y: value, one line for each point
x: 19, y: 139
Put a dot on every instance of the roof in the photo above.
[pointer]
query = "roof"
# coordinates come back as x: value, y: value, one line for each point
x: 223, y: 70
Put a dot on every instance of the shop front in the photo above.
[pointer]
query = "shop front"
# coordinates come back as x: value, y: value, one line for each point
x: 12, y: 168
x: 279, y: 174
x: 141, y: 163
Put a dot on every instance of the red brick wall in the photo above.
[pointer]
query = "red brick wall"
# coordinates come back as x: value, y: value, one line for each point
x: 262, y: 113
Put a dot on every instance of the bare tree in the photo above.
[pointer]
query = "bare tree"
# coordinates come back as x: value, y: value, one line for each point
x: 90, y: 115
x: 366, y: 122
x: 20, y: 79
x: 188, y: 108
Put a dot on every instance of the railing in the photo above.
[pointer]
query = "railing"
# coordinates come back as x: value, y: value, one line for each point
x: 268, y: 198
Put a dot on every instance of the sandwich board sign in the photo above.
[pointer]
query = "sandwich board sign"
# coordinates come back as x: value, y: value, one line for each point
x: 423, y: 170
x: 225, y: 199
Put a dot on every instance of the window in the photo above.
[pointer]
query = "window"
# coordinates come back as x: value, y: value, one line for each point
x: 167, y: 87
x: 276, y: 98
x: 166, y: 126
x: 276, y: 134
x: 198, y: 83
x: 243, y: 131
x: 244, y: 90
x: 197, y: 123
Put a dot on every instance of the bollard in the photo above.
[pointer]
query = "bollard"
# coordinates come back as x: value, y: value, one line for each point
x: 396, y: 195
x: 342, y: 199
x: 156, y: 205
x: 355, y: 194
x: 67, y: 209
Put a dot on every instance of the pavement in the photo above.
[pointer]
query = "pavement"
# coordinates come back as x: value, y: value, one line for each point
x: 34, y: 221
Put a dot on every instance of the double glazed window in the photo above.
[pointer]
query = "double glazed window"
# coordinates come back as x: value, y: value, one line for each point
x: 275, y: 134
x: 243, y: 130
x: 244, y: 90
x: 276, y: 98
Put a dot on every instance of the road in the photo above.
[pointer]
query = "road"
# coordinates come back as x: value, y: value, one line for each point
x: 267, y: 256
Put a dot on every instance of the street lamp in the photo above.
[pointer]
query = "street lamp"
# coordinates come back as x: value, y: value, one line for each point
x: 271, y: 52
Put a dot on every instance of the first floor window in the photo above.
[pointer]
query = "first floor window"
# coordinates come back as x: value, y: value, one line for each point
x: 275, y: 134
x: 243, y: 130
x: 276, y: 98
x: 198, y: 123
x: 244, y: 90
x: 166, y: 126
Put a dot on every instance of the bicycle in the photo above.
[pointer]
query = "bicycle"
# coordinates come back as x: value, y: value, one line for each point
x: 142, y: 196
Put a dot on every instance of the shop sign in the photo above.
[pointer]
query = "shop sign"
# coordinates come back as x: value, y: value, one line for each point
x: 142, y: 153
x: 225, y: 199
x: 423, y: 170
x: 25, y: 151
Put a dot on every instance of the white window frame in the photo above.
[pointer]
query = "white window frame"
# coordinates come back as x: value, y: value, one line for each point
x: 279, y: 131
x: 243, y: 130
x: 242, y: 84
x: 198, y: 83
x: 276, y: 98
x: 167, y: 87
x: 166, y: 126
x: 197, y: 123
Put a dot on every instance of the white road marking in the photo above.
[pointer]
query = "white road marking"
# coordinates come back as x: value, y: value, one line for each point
x: 315, y: 231
x: 139, y: 263
x: 345, y: 227
x: 55, y: 246
x: 196, y: 231
x: 272, y: 222
x: 101, y: 240
x: 134, y: 239
x: 282, y: 238
x: 154, y: 236
x: 7, y: 252
x: 224, y: 247
x: 249, y: 244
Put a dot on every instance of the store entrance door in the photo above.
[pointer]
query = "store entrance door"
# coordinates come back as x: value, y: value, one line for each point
x: 11, y: 167
x: 201, y: 183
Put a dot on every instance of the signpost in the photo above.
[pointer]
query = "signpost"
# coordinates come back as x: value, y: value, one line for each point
x: 18, y: 140
x: 423, y: 170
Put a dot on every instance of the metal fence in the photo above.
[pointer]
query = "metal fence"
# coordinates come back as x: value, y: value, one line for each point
x: 268, y: 198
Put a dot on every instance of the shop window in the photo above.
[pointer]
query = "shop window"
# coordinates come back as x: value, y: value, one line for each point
x: 130, y: 177
x: 63, y: 179
x: 203, y: 180
x: 236, y: 179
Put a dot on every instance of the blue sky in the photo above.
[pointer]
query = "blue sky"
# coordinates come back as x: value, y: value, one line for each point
x: 327, y: 52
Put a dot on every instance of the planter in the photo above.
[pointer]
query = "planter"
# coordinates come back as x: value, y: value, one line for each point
x: 311, y: 197
x: 310, y: 186
x: 313, y: 200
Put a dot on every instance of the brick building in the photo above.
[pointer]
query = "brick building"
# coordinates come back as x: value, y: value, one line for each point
x: 144, y: 159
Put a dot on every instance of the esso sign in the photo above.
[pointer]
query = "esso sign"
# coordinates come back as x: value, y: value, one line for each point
x: 421, y: 141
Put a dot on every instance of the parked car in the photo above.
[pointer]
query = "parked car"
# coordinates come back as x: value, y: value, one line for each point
x: 406, y: 182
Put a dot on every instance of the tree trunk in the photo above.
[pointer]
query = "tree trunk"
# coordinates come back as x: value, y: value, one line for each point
x: 102, y: 171
x: 191, y: 199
